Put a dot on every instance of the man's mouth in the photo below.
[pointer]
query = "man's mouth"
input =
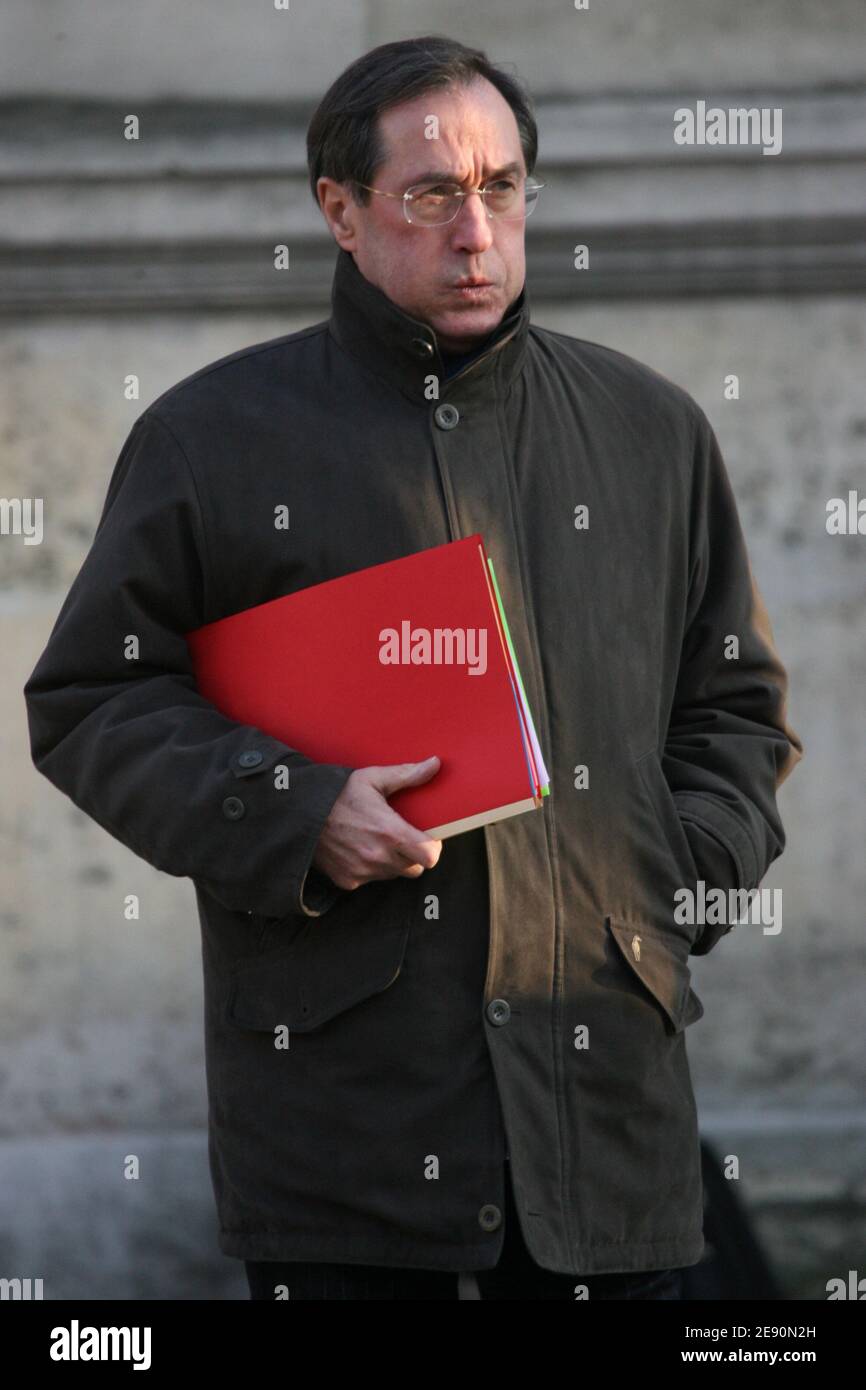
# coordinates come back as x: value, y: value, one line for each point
x: 470, y: 289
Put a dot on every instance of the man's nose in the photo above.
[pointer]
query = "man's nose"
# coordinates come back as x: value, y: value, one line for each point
x: 472, y: 226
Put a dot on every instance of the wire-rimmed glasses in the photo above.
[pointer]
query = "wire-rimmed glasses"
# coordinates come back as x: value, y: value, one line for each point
x: 435, y: 204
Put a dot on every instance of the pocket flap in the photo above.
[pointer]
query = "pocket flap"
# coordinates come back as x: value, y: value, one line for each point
x: 652, y: 954
x: 325, y: 969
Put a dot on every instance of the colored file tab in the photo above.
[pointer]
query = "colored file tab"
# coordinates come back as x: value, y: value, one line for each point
x: 541, y: 770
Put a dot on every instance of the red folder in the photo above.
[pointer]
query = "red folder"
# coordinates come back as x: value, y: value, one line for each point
x: 389, y: 664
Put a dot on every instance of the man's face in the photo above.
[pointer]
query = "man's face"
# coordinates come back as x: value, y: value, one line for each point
x: 418, y: 267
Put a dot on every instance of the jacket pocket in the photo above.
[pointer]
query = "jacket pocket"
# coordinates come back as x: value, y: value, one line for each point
x: 324, y: 965
x: 667, y: 817
x: 657, y: 961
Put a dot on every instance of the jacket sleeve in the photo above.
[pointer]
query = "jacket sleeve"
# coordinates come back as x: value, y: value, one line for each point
x: 729, y: 746
x: 125, y: 734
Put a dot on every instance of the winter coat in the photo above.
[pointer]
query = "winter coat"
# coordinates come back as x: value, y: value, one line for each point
x: 373, y: 1054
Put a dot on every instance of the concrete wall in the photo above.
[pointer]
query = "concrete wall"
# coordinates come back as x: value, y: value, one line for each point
x: 155, y: 258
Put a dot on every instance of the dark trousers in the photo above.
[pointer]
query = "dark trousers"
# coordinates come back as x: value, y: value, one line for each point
x: 515, y: 1276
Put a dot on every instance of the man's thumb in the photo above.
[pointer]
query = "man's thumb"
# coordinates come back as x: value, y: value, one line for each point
x: 408, y: 774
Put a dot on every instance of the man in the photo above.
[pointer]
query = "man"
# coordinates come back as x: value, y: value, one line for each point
x: 515, y: 1000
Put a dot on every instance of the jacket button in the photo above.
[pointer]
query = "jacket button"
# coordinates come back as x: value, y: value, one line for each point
x: 251, y: 758
x: 422, y: 347
x: 490, y: 1217
x: 233, y: 807
x: 499, y: 1011
x: 446, y: 416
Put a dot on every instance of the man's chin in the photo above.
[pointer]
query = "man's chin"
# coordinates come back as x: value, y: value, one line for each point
x: 463, y: 330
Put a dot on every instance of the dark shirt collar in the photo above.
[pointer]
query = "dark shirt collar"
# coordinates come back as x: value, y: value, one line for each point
x: 455, y: 360
x: 405, y: 352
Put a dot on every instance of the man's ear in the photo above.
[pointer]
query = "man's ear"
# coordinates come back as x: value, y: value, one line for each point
x: 339, y: 211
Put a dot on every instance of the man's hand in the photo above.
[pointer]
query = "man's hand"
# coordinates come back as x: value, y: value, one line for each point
x: 363, y: 839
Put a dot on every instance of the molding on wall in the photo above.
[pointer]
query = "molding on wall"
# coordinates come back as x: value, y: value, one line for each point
x: 188, y: 217
x: 796, y: 257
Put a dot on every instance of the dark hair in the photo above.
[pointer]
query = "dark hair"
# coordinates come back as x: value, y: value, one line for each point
x: 343, y: 139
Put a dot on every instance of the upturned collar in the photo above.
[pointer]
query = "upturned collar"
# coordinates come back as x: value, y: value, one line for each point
x: 405, y: 351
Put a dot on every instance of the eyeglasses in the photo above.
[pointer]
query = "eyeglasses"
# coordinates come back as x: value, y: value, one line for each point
x: 434, y: 204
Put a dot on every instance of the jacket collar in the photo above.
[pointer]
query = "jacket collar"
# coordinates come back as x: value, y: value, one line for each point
x: 405, y: 352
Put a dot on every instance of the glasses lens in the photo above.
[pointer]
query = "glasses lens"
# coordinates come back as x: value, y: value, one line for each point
x: 502, y: 196
x: 518, y: 206
x: 434, y: 203
x: 531, y: 198
x: 431, y: 205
